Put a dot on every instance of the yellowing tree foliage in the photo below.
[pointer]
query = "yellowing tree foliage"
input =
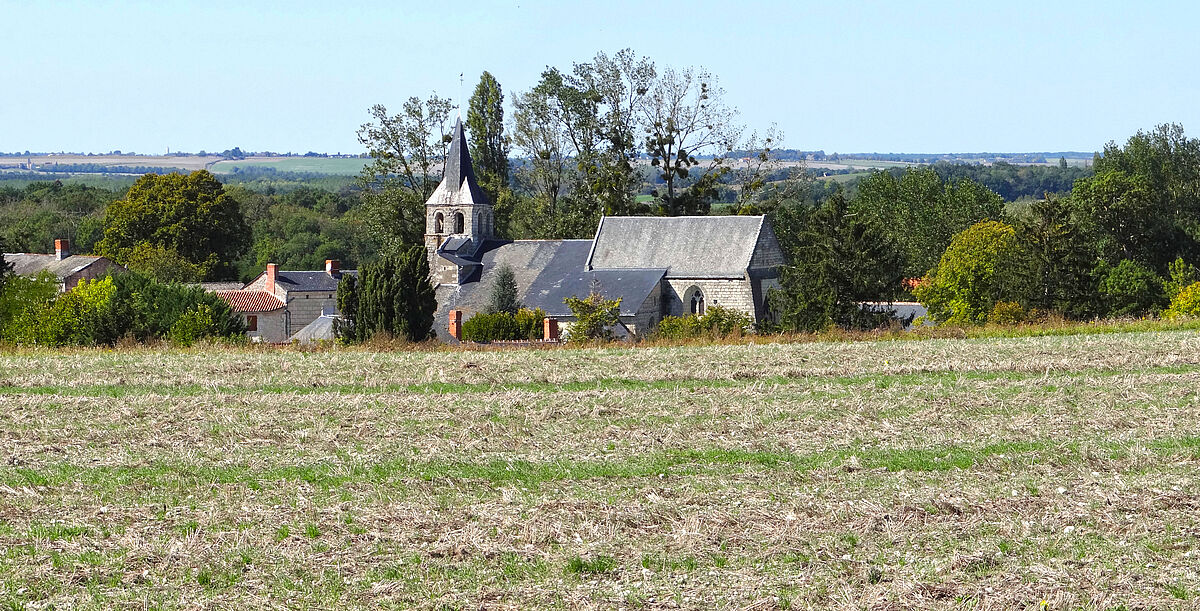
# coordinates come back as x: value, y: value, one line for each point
x: 974, y: 274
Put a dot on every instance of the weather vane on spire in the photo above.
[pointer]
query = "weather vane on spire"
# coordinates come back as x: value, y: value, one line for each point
x: 460, y: 94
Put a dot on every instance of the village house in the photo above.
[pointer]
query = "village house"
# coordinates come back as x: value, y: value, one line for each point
x: 67, y: 268
x: 656, y: 266
x: 306, y: 295
x: 265, y: 314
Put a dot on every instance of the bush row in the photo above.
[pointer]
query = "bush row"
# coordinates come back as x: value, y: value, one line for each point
x: 104, y: 311
x: 526, y: 324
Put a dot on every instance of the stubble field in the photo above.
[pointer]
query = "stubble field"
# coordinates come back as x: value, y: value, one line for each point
x: 1023, y: 473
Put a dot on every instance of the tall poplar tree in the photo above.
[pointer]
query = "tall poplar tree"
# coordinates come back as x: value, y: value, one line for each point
x: 489, y: 145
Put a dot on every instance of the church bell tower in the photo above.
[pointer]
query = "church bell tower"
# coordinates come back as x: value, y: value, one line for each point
x: 458, y: 216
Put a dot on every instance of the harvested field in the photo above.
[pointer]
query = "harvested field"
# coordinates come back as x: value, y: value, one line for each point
x: 1026, y: 473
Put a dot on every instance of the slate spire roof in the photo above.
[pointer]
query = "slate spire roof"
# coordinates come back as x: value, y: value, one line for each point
x: 459, y: 186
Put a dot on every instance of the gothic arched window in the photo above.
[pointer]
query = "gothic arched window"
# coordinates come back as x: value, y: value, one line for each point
x: 458, y: 222
x: 696, y: 304
x: 438, y: 223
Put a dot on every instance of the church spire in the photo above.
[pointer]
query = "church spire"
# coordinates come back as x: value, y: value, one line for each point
x: 459, y: 186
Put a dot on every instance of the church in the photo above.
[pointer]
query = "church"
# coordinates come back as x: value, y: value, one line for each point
x: 656, y: 266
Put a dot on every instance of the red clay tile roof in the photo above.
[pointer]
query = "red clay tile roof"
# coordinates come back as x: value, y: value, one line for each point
x: 250, y: 301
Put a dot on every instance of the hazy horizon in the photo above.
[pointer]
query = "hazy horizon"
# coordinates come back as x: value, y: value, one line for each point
x: 868, y: 77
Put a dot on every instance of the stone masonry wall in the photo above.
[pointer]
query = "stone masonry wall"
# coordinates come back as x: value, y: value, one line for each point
x: 271, y: 326
x: 304, y: 308
x: 735, y: 294
x: 648, y: 315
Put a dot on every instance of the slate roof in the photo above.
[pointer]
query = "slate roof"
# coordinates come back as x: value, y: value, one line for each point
x: 250, y: 301
x: 27, y: 264
x: 303, y: 281
x: 546, y: 272
x: 686, y: 246
x: 458, y: 186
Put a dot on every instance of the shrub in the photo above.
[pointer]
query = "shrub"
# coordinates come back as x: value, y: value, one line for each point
x: 1186, y: 303
x: 530, y: 323
x: 195, y: 324
x: 1180, y: 275
x: 717, y: 321
x: 502, y: 326
x: 1007, y: 313
x: 594, y: 317
x: 76, y: 317
x: 147, y: 309
x: 1130, y: 288
x: 102, y: 312
x: 973, y: 274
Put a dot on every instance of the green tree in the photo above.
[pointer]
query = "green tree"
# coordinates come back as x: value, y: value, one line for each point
x: 921, y: 212
x: 594, y: 317
x: 1131, y: 289
x: 6, y: 266
x: 392, y: 296
x: 504, y: 296
x: 190, y: 216
x: 1144, y: 200
x: 975, y: 272
x: 553, y: 122
x: 839, y: 261
x: 407, y: 152
x: 1056, y: 261
x: 489, y: 145
x: 617, y: 84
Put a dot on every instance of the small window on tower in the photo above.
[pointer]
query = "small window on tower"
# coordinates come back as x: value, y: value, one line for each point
x: 459, y: 222
x: 438, y: 223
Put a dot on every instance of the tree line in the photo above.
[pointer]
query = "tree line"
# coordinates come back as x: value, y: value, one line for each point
x: 1124, y: 242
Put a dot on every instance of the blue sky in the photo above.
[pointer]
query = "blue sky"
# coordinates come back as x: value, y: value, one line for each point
x: 839, y: 76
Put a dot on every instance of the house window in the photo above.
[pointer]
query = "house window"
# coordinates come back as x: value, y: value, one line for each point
x: 438, y: 222
x: 458, y: 222
x: 697, y: 303
x: 252, y: 323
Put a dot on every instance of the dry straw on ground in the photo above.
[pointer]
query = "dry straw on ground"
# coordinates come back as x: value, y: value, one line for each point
x: 1030, y: 473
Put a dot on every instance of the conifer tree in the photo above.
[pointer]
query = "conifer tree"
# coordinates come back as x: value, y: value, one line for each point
x: 393, y: 296
x: 504, y: 292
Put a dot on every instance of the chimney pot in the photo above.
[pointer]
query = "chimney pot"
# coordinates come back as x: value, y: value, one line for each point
x: 272, y: 275
x: 333, y: 267
x: 62, y: 248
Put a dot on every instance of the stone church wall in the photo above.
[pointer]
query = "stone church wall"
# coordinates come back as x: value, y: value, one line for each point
x: 735, y: 294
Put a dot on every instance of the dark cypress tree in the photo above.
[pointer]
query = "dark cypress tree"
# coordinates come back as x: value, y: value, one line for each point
x: 347, y: 303
x: 393, y: 295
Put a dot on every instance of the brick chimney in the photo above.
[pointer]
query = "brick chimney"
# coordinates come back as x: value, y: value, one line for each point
x: 456, y: 321
x: 333, y: 267
x: 62, y: 249
x: 550, y: 328
x: 272, y: 274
